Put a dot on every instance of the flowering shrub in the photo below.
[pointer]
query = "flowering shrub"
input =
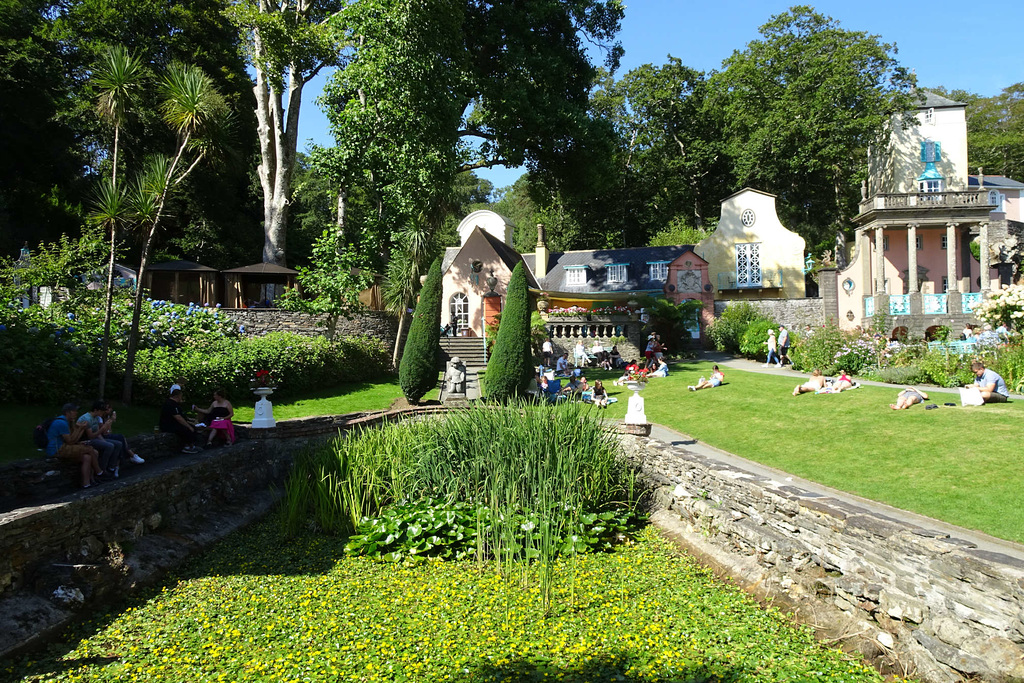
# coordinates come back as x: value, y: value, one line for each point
x: 611, y: 310
x: 858, y: 353
x: 822, y: 349
x: 571, y: 312
x: 1004, y: 307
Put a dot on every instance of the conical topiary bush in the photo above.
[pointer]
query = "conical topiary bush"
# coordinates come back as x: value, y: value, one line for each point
x: 511, y: 364
x: 417, y: 372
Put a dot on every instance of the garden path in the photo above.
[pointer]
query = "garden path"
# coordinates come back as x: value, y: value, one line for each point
x: 747, y: 365
x: 688, y: 443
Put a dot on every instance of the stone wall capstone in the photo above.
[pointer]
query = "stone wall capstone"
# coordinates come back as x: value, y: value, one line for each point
x: 913, y: 599
x: 794, y: 313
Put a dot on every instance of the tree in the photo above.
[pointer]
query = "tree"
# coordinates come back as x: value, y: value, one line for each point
x: 193, y: 108
x: 417, y: 373
x: 511, y: 364
x: 330, y: 287
x: 801, y: 105
x: 995, y: 132
x: 118, y: 76
x: 289, y: 43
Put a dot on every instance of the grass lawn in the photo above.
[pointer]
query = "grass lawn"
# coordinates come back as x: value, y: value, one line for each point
x: 960, y: 465
x: 352, y: 397
x: 260, y: 607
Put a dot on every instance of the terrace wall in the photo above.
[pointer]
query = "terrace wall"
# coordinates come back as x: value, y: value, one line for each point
x: 260, y: 321
x: 912, y: 599
x: 794, y: 313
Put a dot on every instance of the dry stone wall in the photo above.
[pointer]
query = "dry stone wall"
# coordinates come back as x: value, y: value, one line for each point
x: 795, y: 313
x: 260, y: 321
x: 910, y: 598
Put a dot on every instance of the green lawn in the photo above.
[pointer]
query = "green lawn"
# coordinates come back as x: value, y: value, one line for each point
x: 260, y: 607
x: 960, y: 465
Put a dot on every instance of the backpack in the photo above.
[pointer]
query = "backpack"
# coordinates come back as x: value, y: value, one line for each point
x: 40, y: 435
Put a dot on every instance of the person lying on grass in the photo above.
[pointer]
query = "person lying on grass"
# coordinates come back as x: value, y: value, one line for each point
x: 815, y: 383
x: 907, y: 398
x: 717, y: 377
x: 843, y: 382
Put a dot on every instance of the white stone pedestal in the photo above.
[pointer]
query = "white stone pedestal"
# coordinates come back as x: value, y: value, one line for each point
x: 635, y: 414
x: 264, y: 416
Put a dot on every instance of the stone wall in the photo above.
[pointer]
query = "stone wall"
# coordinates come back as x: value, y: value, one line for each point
x: 259, y: 321
x: 913, y: 599
x: 565, y: 332
x: 794, y: 313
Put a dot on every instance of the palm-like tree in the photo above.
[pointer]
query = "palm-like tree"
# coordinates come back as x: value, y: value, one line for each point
x: 197, y: 112
x: 118, y: 76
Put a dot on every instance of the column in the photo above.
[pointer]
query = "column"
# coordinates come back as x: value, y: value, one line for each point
x: 914, y: 286
x: 880, y: 259
x: 986, y: 284
x: 951, y: 257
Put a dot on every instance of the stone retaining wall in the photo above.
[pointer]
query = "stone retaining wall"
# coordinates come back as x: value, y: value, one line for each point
x: 911, y: 599
x: 795, y: 313
x: 260, y: 321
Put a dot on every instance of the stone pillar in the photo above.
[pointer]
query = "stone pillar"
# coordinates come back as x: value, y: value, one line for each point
x: 954, y: 286
x: 828, y: 289
x: 914, y: 286
x: 986, y: 283
x: 880, y: 259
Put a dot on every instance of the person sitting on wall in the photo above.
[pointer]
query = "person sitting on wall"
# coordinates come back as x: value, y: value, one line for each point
x: 110, y: 451
x: 908, y: 397
x: 218, y: 417
x: 815, y: 383
x: 717, y: 377
x: 110, y: 417
x: 172, y: 421
x: 598, y: 352
x: 63, y: 441
x: 991, y: 385
x: 562, y: 365
x: 579, y: 355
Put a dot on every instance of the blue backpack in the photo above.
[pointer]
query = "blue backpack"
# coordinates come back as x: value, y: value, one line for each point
x: 41, y: 434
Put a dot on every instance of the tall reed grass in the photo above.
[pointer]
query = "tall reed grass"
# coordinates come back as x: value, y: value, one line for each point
x: 552, y: 463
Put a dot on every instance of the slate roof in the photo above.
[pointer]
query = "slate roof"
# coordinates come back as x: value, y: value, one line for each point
x: 637, y: 269
x: 263, y: 269
x: 180, y: 266
x: 996, y: 181
x: 935, y: 101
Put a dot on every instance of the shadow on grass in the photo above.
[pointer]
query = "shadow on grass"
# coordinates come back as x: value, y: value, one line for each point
x: 611, y: 668
x: 47, y: 664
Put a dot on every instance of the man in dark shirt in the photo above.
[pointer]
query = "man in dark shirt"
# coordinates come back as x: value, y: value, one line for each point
x: 172, y: 420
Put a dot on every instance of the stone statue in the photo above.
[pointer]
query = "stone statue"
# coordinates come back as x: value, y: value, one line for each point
x: 455, y: 377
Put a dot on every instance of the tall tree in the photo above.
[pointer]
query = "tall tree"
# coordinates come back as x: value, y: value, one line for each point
x: 995, y: 132
x: 801, y: 106
x: 290, y: 42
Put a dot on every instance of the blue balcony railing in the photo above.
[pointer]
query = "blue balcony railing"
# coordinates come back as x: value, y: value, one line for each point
x: 971, y: 301
x: 770, y: 279
x: 899, y: 304
x: 869, y: 307
x: 934, y: 304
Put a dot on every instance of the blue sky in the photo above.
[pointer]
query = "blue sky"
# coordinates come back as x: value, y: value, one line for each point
x: 974, y: 46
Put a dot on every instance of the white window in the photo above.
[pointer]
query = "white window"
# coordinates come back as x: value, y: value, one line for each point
x: 575, y: 276
x: 945, y: 282
x: 918, y: 240
x: 617, y: 272
x: 943, y: 241
x: 885, y: 243
x: 929, y: 117
x: 929, y: 186
x: 748, y: 264
x: 459, y: 309
x: 658, y: 271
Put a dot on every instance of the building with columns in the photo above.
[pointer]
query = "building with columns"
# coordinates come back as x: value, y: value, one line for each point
x: 928, y: 243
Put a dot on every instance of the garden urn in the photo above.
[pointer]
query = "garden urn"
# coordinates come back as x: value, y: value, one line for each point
x: 635, y: 414
x: 263, y: 418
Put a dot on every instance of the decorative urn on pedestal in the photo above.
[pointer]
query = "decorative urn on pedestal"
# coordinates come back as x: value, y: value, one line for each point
x: 263, y: 415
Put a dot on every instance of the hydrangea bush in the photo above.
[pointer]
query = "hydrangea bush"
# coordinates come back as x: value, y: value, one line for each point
x: 1004, y: 307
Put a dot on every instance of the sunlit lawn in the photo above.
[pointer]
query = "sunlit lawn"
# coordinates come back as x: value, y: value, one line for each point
x: 354, y: 397
x: 961, y: 465
x: 260, y: 607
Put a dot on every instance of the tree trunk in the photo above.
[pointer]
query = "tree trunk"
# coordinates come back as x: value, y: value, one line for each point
x: 133, y: 332
x: 109, y: 304
x: 398, y: 337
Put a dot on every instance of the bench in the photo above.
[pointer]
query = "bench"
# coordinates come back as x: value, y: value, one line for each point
x: 959, y: 347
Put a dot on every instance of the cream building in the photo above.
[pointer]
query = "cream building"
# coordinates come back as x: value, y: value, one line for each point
x: 751, y: 255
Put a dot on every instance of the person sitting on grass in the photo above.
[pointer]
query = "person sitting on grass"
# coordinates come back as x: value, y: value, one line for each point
x: 614, y: 358
x: 717, y: 377
x: 172, y: 421
x: 908, y: 397
x: 562, y: 365
x: 600, y: 397
x: 63, y: 442
x: 991, y: 385
x: 218, y: 417
x: 815, y: 383
x: 661, y: 370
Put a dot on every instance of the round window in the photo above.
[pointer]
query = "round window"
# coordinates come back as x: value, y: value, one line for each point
x: 848, y: 285
x: 747, y: 218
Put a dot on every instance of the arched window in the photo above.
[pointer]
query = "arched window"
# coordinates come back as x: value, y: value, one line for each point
x: 459, y: 309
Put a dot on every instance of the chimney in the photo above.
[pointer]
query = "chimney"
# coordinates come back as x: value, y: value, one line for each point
x: 540, y: 269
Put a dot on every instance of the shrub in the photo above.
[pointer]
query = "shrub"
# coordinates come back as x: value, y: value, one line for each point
x: 417, y: 373
x: 726, y: 332
x: 752, y: 343
x: 947, y: 370
x: 511, y: 364
x: 908, y: 374
x: 1010, y: 365
x: 298, y: 364
x: 1004, y: 307
x: 819, y: 348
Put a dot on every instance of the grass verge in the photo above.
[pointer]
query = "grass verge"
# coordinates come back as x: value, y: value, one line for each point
x: 260, y: 608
